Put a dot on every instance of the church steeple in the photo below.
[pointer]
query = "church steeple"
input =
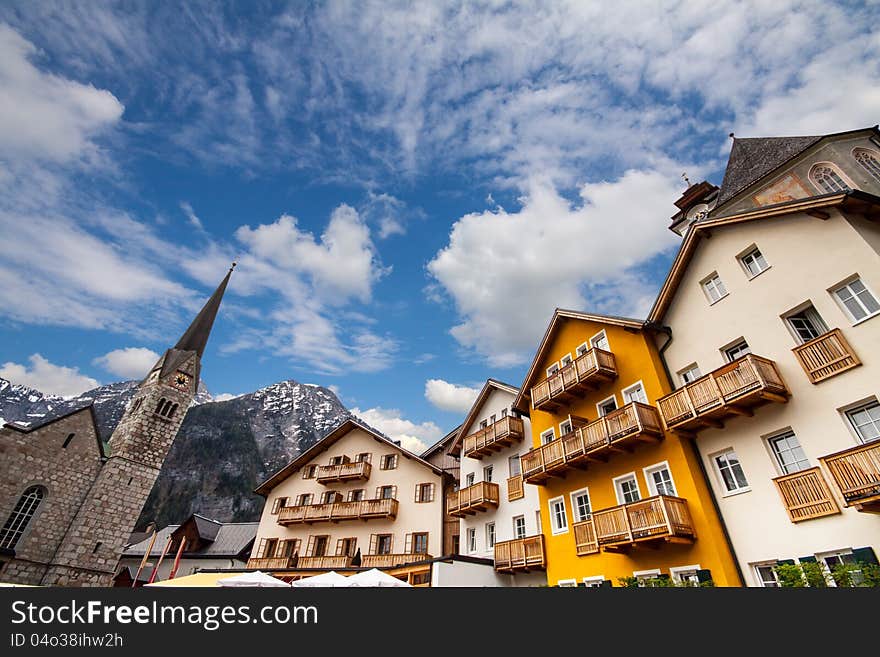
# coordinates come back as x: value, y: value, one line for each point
x: 196, y: 336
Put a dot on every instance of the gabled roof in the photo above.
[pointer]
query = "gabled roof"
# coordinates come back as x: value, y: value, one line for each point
x: 328, y: 440
x: 855, y: 200
x: 230, y: 540
x: 441, y: 444
x: 489, y: 386
x: 560, y: 315
x: 102, y: 447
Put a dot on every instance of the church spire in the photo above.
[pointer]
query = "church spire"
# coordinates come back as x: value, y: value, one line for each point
x: 196, y: 336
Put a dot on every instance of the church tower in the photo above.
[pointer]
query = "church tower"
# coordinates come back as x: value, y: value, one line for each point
x: 89, y: 553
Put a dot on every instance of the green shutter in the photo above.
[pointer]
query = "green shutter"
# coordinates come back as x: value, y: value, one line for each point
x: 790, y: 562
x: 607, y: 584
x: 864, y: 555
x: 704, y: 575
x: 808, y: 559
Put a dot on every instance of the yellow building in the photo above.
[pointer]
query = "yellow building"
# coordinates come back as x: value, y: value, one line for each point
x: 619, y: 496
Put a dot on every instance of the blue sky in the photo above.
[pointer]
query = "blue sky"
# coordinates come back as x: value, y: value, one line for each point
x: 410, y: 189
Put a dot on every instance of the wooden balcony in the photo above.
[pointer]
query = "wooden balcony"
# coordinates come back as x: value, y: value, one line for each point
x: 331, y: 474
x: 270, y: 563
x: 805, y: 495
x: 338, y: 511
x: 826, y: 356
x: 469, y: 501
x: 521, y: 554
x: 585, y: 540
x: 856, y: 471
x: 327, y: 563
x: 391, y: 560
x: 618, y: 431
x: 515, y: 488
x: 587, y: 372
x: 494, y: 438
x: 734, y: 389
x: 658, y: 519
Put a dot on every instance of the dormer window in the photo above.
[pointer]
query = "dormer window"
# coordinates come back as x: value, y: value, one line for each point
x: 828, y: 178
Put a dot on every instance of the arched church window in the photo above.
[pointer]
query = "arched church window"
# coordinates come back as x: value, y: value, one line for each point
x: 21, y: 516
x: 160, y: 406
x: 869, y: 160
x: 172, y: 411
x: 827, y: 178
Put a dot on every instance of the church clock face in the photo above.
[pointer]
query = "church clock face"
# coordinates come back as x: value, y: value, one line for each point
x: 181, y: 381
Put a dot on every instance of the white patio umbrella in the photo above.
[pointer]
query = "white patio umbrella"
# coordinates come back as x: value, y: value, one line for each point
x: 376, y: 577
x: 331, y: 579
x: 257, y: 578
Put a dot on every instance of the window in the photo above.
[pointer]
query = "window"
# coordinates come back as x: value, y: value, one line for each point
x: 287, y: 548
x: 838, y: 559
x: 492, y: 419
x: 869, y: 160
x: 659, y: 479
x: 425, y: 492
x: 304, y: 499
x: 363, y: 457
x: 686, y: 575
x: 487, y: 473
x: 490, y: 535
x: 21, y: 516
x: 338, y: 460
x: 346, y: 547
x: 767, y: 576
x: 382, y: 543
x: 503, y: 412
x: 806, y: 324
x: 567, y: 583
x: 582, y: 349
x: 267, y: 548
x: 310, y: 472
x: 627, y: 488
x: 647, y: 578
x: 319, y: 545
x: 565, y: 361
x: 595, y: 582
x: 329, y: 497
x: 469, y: 479
x: 472, y: 539
x: 538, y: 522
x: 565, y: 428
x: 278, y: 503
x: 714, y: 288
x: 67, y: 440
x: 548, y: 436
x: 388, y: 462
x: 515, y: 466
x: 856, y: 300
x: 553, y: 369
x: 606, y: 406
x: 580, y: 504
x: 519, y: 527
x: 866, y: 421
x: 635, y: 393
x: 356, y: 495
x: 386, y: 492
x: 419, y: 543
x: 788, y: 452
x: 754, y: 262
x: 827, y: 178
x: 690, y: 373
x: 600, y: 341
x: 738, y: 350
x: 731, y: 472
x: 558, y: 519
x: 484, y: 424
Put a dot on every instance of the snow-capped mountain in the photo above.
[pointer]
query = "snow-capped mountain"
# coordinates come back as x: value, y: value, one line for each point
x: 224, y: 448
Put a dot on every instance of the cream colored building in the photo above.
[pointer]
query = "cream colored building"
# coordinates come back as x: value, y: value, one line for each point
x: 354, y: 495
x: 495, y: 507
x: 769, y: 325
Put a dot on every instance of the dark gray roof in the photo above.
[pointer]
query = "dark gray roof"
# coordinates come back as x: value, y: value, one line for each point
x: 196, y: 336
x: 441, y: 443
x: 208, y: 529
x: 752, y: 158
x: 231, y: 539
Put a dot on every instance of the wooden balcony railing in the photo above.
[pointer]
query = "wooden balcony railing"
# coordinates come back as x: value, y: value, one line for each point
x: 658, y: 518
x: 270, y: 563
x: 805, y: 495
x: 826, y: 356
x: 856, y: 471
x: 521, y: 554
x: 587, y: 371
x: 495, y: 437
x: 585, y: 540
x: 362, y: 509
x: 330, y: 563
x: 391, y: 560
x: 733, y: 389
x: 328, y: 474
x: 515, y: 488
x: 471, y: 500
x: 635, y: 422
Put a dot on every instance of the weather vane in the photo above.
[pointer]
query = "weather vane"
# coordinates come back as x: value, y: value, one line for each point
x: 686, y: 179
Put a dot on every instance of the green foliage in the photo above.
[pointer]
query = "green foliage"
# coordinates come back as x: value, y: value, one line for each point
x: 661, y: 583
x: 810, y: 573
x: 790, y: 575
x: 813, y: 574
x: 628, y: 582
x: 856, y: 574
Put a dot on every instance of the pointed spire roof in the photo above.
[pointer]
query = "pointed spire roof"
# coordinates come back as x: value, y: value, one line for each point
x: 196, y: 336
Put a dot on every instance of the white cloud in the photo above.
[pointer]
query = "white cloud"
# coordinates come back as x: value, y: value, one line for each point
x: 191, y: 216
x: 414, y: 437
x: 130, y: 362
x: 449, y: 396
x: 47, y: 377
x: 507, y: 271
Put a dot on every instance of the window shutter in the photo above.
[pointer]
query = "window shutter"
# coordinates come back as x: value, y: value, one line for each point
x: 394, y: 492
x: 808, y: 559
x: 378, y: 493
x: 704, y: 575
x: 789, y: 562
x: 310, y: 546
x: 865, y: 555
x: 261, y: 549
x: 408, y: 545
x: 339, y: 546
x: 431, y: 492
x: 374, y: 541
x: 606, y: 584
x: 418, y: 490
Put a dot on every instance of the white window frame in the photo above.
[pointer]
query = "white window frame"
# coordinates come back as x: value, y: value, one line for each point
x: 649, y: 480
x: 601, y: 335
x: 730, y: 346
x: 510, y: 461
x: 581, y: 349
x: 594, y: 582
x: 488, y: 471
x: 471, y: 537
x: 470, y: 479
x: 805, y: 308
x: 552, y: 432
x: 637, y: 385
x: 846, y: 180
x: 551, y: 367
x: 565, y: 361
x: 599, y: 405
x: 771, y: 439
x: 724, y: 491
x: 563, y: 424
x: 567, y: 583
x: 749, y: 252
x: 491, y: 538
x: 759, y: 579
x: 525, y: 528
x: 642, y: 575
x: 846, y: 283
x: 574, y: 505
x: 851, y: 408
x: 690, y: 368
x: 704, y: 285
x: 554, y: 529
x: 676, y: 571
x: 618, y: 492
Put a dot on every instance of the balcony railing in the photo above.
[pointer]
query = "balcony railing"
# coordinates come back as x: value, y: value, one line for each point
x: 361, y: 509
x: 733, y: 389
x: 270, y: 563
x: 495, y: 437
x: 330, y: 563
x: 521, y: 554
x: 515, y: 488
x: 587, y: 371
x: 805, y: 495
x: 826, y: 356
x: 471, y: 500
x: 635, y: 422
x: 328, y: 474
x: 585, y: 540
x: 856, y: 472
x: 659, y: 518
x: 391, y: 560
